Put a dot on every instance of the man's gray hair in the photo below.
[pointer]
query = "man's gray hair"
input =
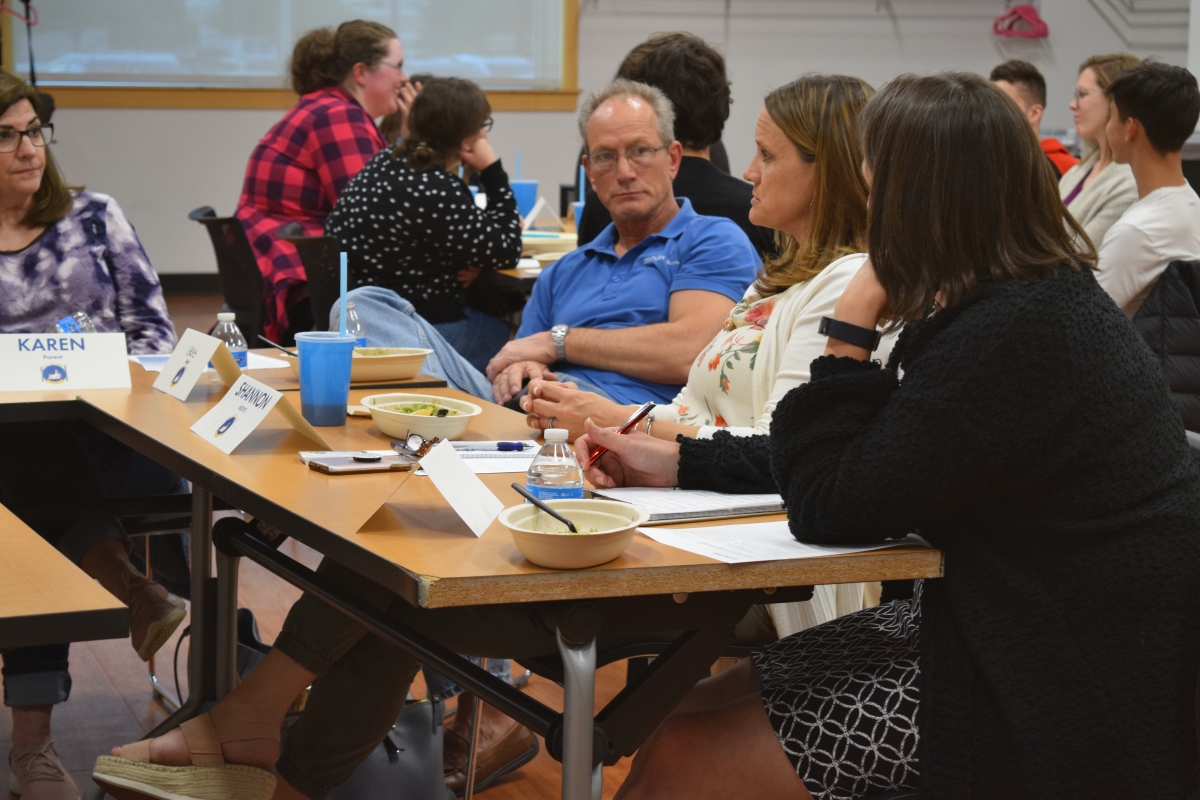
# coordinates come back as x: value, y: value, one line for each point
x: 663, y: 110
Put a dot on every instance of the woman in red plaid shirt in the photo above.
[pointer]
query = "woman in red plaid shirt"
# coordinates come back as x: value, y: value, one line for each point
x: 345, y: 80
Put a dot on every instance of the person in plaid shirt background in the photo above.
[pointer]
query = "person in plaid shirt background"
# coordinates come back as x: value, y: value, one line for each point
x: 345, y: 80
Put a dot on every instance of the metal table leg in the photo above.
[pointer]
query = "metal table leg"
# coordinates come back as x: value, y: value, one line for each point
x: 579, y: 699
x: 473, y: 744
x: 226, y: 624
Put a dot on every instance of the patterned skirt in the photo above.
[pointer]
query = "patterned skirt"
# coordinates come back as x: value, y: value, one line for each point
x: 842, y: 698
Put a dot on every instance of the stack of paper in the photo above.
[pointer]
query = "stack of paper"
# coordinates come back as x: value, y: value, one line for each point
x: 758, y: 541
x: 677, y: 505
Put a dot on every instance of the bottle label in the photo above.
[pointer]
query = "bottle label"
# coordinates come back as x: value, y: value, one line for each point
x: 69, y: 325
x: 555, y: 492
x: 239, y: 358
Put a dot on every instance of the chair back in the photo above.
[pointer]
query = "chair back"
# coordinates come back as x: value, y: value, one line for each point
x: 319, y: 255
x: 241, y: 281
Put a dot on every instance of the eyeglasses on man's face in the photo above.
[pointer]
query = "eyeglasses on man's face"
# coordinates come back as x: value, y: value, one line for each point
x: 39, y: 135
x: 604, y: 160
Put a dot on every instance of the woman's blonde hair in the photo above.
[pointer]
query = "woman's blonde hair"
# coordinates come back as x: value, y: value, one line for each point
x: 1106, y: 68
x: 819, y: 114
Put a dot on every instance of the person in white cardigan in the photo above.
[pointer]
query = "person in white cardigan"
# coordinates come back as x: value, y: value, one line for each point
x: 809, y: 188
x: 1097, y: 190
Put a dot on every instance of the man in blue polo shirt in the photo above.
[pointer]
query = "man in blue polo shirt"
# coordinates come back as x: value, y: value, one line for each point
x: 625, y: 315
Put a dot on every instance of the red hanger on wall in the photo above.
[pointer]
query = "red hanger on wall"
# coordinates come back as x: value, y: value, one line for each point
x: 1023, y: 22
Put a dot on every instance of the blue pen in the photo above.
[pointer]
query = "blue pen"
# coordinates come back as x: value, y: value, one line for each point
x: 503, y: 446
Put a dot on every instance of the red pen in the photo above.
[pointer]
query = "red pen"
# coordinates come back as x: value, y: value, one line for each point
x: 638, y: 416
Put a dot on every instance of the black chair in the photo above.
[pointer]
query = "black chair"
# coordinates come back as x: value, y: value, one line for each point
x: 241, y: 281
x: 319, y: 255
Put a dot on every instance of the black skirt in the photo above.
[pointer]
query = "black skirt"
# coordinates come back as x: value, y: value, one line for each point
x: 842, y: 698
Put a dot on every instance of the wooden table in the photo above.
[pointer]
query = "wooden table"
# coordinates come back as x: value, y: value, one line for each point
x: 411, y: 542
x: 45, y: 599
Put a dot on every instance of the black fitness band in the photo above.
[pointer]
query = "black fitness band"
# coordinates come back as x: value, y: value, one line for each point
x: 866, y: 338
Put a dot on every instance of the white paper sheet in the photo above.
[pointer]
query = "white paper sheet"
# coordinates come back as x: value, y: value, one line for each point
x: 758, y: 541
x: 465, y: 493
x: 253, y: 361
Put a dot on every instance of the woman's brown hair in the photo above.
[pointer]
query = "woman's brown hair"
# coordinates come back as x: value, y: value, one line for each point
x: 446, y: 112
x: 961, y: 194
x: 53, y: 199
x: 819, y: 114
x: 324, y: 57
x: 1106, y: 68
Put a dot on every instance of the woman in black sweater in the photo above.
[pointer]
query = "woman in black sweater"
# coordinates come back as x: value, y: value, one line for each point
x: 409, y: 224
x: 1022, y: 427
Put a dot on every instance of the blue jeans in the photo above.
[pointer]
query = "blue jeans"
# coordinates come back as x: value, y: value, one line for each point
x: 41, y: 468
x: 391, y: 321
x: 476, y: 338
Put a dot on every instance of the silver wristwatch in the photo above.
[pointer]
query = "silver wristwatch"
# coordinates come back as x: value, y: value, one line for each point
x: 559, y: 334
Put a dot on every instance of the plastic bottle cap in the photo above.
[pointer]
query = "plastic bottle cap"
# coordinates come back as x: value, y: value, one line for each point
x: 226, y: 316
x: 555, y: 434
x: 349, y: 304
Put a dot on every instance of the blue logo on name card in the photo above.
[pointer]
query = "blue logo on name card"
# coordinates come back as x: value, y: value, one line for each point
x: 54, y: 373
x: 178, y: 375
x: 225, y: 426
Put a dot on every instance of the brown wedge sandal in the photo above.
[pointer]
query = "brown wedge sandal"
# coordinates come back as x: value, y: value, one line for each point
x: 132, y: 777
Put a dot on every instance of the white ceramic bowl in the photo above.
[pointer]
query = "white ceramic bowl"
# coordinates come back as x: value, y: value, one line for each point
x: 537, y: 534
x: 379, y: 363
x: 394, y: 423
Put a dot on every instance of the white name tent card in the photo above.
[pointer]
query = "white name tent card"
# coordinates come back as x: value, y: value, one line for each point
x: 37, y: 361
x: 465, y: 493
x: 237, y: 414
x: 242, y: 409
x: 187, y: 364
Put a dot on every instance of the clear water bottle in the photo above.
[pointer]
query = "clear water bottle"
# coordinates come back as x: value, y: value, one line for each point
x: 554, y: 473
x: 354, y: 325
x: 78, y: 322
x: 227, y: 331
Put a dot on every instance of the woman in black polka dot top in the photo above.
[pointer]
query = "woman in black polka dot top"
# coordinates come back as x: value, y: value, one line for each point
x: 409, y: 224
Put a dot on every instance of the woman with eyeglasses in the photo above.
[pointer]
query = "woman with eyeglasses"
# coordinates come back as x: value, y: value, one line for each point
x: 1097, y: 191
x: 346, y: 79
x: 64, y: 251
x: 412, y: 230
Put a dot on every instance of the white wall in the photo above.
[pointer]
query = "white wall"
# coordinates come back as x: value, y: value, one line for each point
x: 161, y: 164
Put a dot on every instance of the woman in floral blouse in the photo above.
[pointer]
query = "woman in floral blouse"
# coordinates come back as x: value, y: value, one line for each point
x: 808, y: 187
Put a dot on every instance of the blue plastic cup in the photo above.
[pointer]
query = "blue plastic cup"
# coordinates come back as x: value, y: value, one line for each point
x: 526, y: 194
x: 577, y: 208
x: 324, y: 376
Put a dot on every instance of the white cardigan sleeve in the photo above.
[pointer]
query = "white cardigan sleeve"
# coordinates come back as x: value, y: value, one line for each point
x: 794, y: 325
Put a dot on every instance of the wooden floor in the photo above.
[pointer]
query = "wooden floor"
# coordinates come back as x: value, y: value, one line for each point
x: 197, y: 311
x: 111, y: 704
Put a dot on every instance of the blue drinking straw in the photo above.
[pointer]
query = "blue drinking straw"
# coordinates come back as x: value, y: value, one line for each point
x: 460, y: 172
x: 342, y: 304
x: 582, y: 183
x: 518, y: 163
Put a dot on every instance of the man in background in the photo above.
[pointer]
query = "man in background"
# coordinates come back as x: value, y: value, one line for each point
x: 691, y: 73
x: 1021, y: 81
